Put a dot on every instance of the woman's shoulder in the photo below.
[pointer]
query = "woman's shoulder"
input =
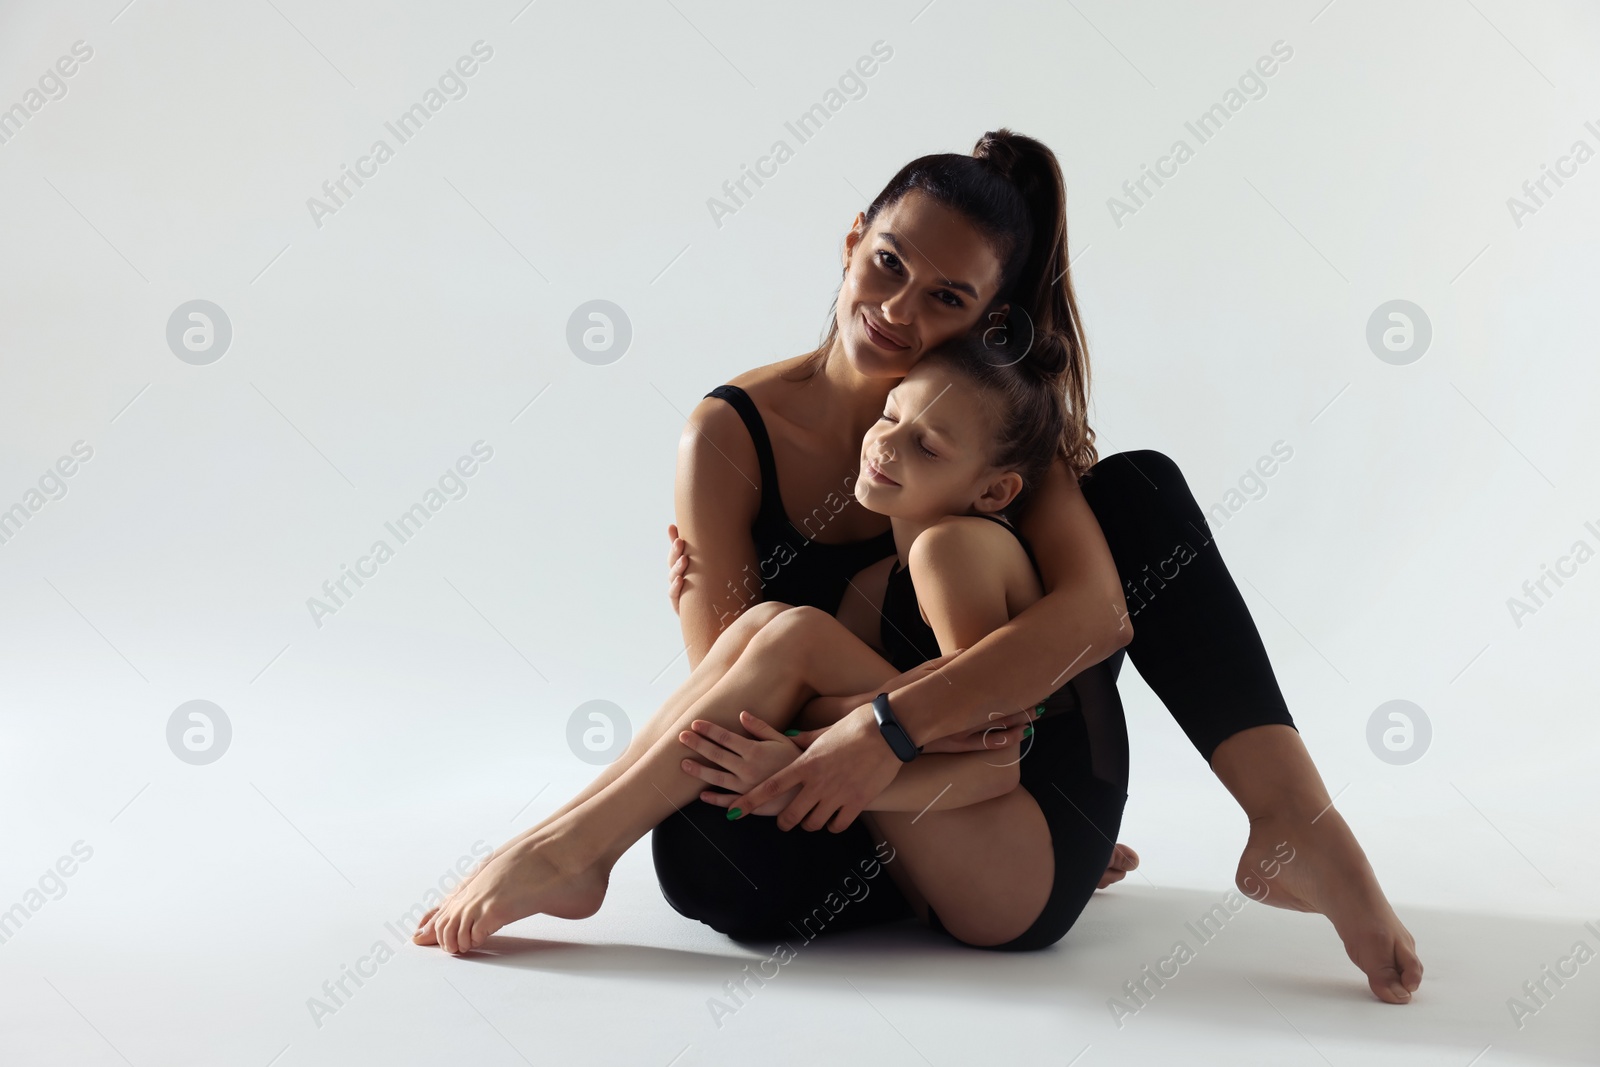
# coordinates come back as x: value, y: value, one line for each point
x: 764, y: 381
x: 722, y: 420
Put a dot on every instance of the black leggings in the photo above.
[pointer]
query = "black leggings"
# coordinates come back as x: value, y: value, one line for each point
x: 1194, y: 644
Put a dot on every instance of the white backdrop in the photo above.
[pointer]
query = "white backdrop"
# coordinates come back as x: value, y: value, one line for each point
x: 379, y: 332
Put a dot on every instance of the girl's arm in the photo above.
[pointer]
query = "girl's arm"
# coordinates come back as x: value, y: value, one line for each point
x: 1081, y: 620
x: 943, y: 781
x: 738, y: 763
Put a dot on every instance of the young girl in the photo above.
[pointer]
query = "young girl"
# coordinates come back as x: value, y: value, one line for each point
x: 962, y: 440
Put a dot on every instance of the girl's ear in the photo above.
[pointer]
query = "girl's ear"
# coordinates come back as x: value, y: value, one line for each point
x: 1001, y: 491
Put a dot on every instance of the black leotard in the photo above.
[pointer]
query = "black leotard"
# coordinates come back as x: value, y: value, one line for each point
x: 793, y: 568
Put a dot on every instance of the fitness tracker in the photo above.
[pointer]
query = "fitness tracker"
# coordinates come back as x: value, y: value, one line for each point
x: 893, y: 732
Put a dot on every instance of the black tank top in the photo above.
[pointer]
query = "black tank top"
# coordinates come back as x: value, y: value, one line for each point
x: 792, y: 568
x: 908, y: 640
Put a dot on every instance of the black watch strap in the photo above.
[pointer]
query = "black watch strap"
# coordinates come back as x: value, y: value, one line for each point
x: 895, y: 734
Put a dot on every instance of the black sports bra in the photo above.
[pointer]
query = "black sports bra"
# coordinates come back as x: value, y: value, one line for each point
x: 792, y: 568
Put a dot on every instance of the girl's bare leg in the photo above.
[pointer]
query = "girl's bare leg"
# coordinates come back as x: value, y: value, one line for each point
x: 563, y: 868
x: 721, y: 657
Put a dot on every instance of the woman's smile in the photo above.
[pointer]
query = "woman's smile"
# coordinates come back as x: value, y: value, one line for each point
x: 879, y: 338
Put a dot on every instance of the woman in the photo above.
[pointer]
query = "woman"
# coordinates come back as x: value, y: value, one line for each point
x: 917, y: 270
x: 951, y: 241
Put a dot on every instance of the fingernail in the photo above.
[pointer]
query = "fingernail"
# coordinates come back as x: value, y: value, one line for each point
x: 1027, y: 731
x: 733, y: 813
x: 791, y: 733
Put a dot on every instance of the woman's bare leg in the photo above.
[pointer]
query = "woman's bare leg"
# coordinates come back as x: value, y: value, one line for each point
x: 563, y: 868
x: 1270, y: 773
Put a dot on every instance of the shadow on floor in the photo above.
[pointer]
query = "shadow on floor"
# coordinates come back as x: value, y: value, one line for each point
x: 1253, y: 968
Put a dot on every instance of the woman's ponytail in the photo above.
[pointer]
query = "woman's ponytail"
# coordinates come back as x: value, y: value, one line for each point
x: 1042, y: 285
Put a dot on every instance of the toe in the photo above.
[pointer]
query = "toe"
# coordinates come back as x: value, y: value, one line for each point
x: 424, y: 932
x: 1410, y: 967
x: 480, y: 931
x: 1382, y: 963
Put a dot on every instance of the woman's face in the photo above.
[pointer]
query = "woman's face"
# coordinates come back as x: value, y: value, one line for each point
x: 927, y: 456
x: 919, y: 275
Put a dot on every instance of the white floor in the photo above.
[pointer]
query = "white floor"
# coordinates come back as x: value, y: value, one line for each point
x: 217, y: 903
x: 208, y: 906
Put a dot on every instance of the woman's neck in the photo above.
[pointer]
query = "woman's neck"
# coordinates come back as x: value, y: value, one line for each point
x: 848, y: 401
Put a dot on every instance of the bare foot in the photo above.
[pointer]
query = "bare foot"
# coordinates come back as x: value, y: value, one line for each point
x: 525, y: 877
x: 1123, y: 860
x: 1318, y: 866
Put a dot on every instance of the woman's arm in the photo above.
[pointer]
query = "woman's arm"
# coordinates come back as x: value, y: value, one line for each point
x: 992, y: 736
x: 1081, y: 620
x: 716, y: 496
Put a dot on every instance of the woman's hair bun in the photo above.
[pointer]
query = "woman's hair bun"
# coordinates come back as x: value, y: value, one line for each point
x: 998, y: 148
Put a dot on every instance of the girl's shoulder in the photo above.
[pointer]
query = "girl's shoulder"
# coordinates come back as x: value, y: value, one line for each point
x: 971, y: 543
x: 957, y: 536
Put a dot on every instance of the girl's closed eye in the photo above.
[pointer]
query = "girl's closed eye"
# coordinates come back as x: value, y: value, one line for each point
x: 926, y: 451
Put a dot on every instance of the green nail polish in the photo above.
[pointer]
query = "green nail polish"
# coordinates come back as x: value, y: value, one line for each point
x: 791, y: 733
x: 733, y: 813
x: 1027, y: 731
x: 1039, y: 710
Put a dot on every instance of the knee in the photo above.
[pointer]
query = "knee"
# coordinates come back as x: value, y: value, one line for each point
x: 1142, y: 498
x: 738, y: 634
x: 792, y: 626
x: 1142, y: 470
x: 755, y: 618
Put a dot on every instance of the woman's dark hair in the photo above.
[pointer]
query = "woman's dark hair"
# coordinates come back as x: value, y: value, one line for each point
x: 1030, y: 417
x: 1010, y: 187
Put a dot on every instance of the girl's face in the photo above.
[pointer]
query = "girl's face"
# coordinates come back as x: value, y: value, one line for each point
x: 918, y: 276
x: 927, y: 456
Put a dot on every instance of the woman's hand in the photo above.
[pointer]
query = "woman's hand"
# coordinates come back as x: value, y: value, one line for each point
x: 745, y: 762
x: 833, y: 780
x: 677, y: 565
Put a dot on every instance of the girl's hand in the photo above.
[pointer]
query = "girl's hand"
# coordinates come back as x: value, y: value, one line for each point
x: 677, y: 565
x: 1001, y: 735
x: 744, y: 762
